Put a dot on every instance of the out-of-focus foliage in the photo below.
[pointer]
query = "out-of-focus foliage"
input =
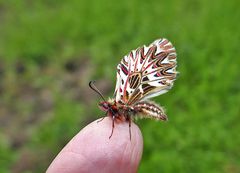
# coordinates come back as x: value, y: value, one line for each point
x: 49, y: 50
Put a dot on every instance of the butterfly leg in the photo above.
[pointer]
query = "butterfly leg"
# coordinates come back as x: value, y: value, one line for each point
x: 113, y: 119
x: 103, y: 117
x: 130, y: 133
x: 100, y: 120
x: 128, y: 118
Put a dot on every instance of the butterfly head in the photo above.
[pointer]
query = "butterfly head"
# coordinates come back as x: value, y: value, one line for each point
x: 105, y: 106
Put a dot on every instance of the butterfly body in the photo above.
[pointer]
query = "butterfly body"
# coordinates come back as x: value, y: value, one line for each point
x: 116, y: 110
x: 144, y: 73
x: 125, y: 112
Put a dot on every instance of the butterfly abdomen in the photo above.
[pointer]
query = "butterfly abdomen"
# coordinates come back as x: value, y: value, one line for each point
x: 150, y: 110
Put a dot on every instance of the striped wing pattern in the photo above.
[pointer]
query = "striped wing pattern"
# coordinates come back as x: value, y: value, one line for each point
x: 146, y: 72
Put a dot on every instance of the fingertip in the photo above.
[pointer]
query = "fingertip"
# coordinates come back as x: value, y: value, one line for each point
x: 119, y: 150
x: 107, y: 155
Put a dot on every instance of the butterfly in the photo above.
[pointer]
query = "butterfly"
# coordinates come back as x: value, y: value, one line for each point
x: 145, y: 72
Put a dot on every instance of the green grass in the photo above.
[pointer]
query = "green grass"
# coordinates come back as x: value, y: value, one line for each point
x: 202, y: 134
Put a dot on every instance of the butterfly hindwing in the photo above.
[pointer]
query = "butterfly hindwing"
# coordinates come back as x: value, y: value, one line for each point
x: 146, y: 72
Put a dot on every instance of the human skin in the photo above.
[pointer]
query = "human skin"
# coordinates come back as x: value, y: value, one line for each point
x: 92, y: 151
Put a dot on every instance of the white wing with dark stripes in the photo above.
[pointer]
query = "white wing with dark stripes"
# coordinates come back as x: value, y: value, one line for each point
x: 146, y: 72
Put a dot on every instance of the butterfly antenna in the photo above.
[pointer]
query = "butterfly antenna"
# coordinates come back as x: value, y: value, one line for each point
x: 94, y: 88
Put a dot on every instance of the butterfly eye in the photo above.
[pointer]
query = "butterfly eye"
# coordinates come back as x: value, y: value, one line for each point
x: 104, y: 105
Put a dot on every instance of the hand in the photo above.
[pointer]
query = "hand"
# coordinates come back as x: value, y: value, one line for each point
x: 92, y: 151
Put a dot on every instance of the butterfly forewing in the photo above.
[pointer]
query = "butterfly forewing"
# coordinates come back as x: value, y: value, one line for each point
x: 146, y: 72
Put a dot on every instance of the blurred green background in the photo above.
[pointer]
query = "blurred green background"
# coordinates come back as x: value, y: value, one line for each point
x: 50, y: 50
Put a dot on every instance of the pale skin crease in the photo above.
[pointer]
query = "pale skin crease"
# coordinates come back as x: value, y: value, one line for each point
x: 92, y: 151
